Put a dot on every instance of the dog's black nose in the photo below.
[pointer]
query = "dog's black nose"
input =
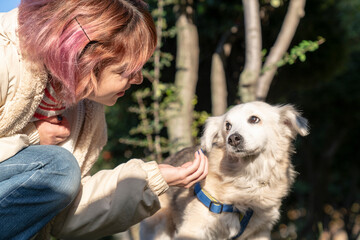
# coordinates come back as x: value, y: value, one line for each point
x: 235, y: 140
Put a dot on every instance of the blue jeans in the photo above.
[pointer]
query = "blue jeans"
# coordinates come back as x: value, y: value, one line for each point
x: 35, y: 185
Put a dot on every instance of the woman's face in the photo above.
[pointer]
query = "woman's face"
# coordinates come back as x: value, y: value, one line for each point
x: 113, y: 84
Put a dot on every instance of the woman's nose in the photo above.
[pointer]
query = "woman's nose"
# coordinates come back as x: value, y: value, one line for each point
x: 137, y: 79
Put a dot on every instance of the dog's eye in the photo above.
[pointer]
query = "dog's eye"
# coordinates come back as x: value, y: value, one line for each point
x: 228, y: 126
x: 254, y: 120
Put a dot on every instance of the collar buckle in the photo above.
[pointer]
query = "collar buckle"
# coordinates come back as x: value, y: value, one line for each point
x: 216, y: 204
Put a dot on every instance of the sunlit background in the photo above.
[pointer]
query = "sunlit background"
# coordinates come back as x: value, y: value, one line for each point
x: 324, y: 202
x: 6, y: 5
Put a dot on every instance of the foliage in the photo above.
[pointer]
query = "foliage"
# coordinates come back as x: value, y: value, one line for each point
x: 326, y: 87
x: 299, y: 51
x: 296, y: 52
x: 153, y: 101
x: 199, y: 118
x: 199, y: 121
x: 145, y: 111
x: 151, y: 115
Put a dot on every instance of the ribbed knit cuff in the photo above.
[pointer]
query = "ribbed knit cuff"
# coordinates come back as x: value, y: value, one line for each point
x: 31, y: 131
x: 156, y: 181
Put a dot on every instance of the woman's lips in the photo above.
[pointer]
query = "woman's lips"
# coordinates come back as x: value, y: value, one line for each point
x: 120, y: 94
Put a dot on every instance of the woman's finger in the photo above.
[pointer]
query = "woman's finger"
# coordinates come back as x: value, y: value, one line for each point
x: 60, y: 139
x: 197, y: 176
x: 206, y: 168
x: 64, y: 128
x: 185, y: 165
x: 204, y: 174
x: 201, y: 168
x: 191, y: 168
x: 187, y: 174
x: 185, y: 170
x: 54, y: 119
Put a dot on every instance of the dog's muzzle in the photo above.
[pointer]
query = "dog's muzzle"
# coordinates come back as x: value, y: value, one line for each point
x: 236, y: 140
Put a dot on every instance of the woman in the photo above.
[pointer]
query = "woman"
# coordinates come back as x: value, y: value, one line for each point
x: 60, y: 62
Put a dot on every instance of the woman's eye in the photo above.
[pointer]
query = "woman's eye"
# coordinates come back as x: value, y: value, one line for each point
x: 254, y: 120
x: 128, y: 76
x: 228, y: 126
x: 121, y: 74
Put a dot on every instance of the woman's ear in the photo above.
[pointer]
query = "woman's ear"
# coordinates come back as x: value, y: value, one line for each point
x: 212, y: 132
x: 292, y: 118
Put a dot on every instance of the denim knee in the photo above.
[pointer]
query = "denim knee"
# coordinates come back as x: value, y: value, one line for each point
x: 65, y: 173
x: 40, y: 182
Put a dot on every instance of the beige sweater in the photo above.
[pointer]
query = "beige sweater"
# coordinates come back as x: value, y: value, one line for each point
x: 110, y: 201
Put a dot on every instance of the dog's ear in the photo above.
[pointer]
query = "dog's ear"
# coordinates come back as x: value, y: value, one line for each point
x: 294, y: 121
x: 212, y: 132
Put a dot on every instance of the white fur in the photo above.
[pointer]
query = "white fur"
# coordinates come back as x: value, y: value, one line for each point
x: 255, y: 173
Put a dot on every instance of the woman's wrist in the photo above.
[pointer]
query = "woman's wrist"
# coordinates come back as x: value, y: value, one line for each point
x: 155, y: 179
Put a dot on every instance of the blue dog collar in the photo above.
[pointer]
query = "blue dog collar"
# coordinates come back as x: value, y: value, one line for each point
x: 217, y: 207
x: 244, y: 220
x: 211, y: 203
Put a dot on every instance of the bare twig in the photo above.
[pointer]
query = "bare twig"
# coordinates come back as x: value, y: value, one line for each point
x: 145, y: 121
x: 148, y: 76
x: 156, y: 81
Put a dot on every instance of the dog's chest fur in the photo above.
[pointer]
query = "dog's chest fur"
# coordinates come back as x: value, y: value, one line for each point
x: 228, y: 182
x: 189, y: 210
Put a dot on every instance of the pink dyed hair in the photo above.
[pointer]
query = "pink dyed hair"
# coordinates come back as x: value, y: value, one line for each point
x: 121, y: 32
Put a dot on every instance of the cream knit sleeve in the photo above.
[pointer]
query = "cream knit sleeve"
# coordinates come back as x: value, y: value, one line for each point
x: 111, y: 201
x: 155, y: 180
x: 31, y: 131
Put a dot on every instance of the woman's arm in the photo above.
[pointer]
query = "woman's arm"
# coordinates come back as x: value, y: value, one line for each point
x: 111, y: 201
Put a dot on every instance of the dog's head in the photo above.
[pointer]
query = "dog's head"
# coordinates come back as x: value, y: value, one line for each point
x: 246, y: 129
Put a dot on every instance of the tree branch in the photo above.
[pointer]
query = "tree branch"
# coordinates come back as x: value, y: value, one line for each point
x: 218, y: 77
x: 294, y: 14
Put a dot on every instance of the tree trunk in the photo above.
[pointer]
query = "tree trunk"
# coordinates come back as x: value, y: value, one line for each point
x: 218, y: 85
x: 249, y: 76
x: 180, y: 114
x: 294, y: 14
x: 218, y: 76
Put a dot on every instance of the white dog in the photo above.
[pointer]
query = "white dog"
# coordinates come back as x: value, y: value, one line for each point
x: 250, y: 172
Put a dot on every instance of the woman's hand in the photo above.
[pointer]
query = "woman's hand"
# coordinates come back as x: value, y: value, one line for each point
x: 187, y: 174
x: 53, y: 130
